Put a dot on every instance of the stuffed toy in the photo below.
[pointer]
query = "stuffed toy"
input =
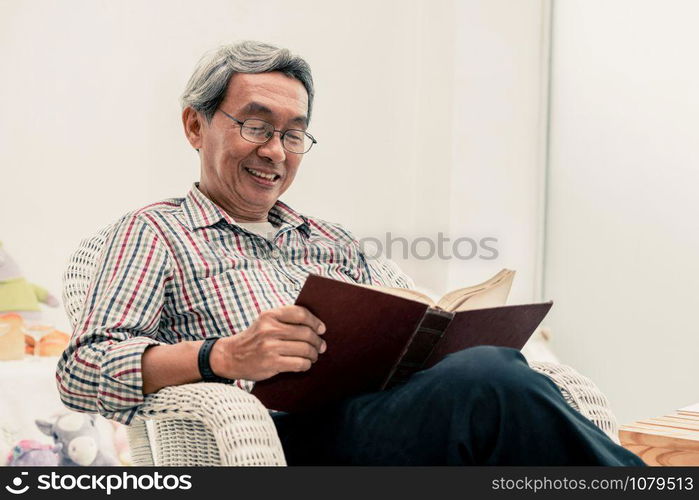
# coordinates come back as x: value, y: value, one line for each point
x: 20, y: 315
x: 12, y: 343
x: 30, y: 452
x: 15, y: 342
x: 77, y: 440
x: 17, y: 295
x: 53, y: 343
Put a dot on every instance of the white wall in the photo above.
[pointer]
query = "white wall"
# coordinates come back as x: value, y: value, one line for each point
x: 90, y: 123
x: 500, y: 116
x: 623, y: 231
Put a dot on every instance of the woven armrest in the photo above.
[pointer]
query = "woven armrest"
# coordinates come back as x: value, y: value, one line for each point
x: 582, y: 394
x: 204, y: 424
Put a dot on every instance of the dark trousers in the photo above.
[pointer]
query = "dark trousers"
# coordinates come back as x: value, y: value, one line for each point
x: 479, y: 406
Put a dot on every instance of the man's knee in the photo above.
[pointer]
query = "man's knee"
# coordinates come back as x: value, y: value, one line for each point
x: 483, y: 365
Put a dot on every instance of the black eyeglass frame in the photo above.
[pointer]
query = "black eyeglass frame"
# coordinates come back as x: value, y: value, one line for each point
x: 282, y: 133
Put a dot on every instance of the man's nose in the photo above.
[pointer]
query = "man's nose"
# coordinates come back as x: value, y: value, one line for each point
x: 273, y: 149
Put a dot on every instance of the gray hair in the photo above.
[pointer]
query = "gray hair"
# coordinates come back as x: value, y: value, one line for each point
x: 207, y: 86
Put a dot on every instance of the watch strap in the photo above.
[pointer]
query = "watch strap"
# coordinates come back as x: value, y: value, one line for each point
x: 203, y: 360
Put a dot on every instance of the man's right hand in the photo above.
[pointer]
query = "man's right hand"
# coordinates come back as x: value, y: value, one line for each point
x: 284, y: 339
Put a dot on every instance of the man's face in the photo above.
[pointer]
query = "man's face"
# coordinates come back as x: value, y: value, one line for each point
x: 228, y: 160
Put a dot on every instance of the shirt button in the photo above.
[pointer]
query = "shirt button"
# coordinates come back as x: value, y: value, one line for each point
x: 276, y: 254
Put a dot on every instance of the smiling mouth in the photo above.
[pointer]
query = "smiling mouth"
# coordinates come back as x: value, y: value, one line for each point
x: 262, y: 175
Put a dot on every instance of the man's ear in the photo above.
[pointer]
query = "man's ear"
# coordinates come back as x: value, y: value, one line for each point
x: 193, y: 125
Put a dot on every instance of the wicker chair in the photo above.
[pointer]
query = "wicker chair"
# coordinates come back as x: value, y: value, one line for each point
x: 206, y: 424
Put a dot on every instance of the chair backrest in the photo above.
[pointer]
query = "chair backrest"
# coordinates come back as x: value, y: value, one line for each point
x: 77, y: 277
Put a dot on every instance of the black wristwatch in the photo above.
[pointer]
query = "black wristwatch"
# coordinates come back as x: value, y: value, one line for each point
x: 207, y: 374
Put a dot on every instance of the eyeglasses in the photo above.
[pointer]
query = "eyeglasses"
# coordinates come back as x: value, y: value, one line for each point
x: 259, y: 131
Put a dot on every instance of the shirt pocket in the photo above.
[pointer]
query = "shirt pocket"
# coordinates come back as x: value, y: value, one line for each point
x: 238, y: 295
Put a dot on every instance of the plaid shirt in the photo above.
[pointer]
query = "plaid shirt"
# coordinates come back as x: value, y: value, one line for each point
x: 181, y: 270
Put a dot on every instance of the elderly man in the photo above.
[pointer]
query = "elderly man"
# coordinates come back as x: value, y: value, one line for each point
x: 199, y: 288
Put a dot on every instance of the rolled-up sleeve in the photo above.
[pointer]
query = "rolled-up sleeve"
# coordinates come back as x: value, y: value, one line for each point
x: 100, y: 370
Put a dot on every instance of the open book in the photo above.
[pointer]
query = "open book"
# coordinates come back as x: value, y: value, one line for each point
x: 377, y: 337
x: 491, y: 293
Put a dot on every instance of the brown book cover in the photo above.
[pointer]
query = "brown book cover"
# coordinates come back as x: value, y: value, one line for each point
x: 376, y: 340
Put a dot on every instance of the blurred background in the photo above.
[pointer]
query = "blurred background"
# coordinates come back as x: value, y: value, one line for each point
x: 567, y: 130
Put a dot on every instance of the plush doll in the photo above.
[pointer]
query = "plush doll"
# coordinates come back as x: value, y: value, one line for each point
x: 12, y: 340
x: 15, y: 341
x: 77, y: 440
x: 30, y: 452
x: 20, y: 314
x: 53, y: 343
x: 19, y: 296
